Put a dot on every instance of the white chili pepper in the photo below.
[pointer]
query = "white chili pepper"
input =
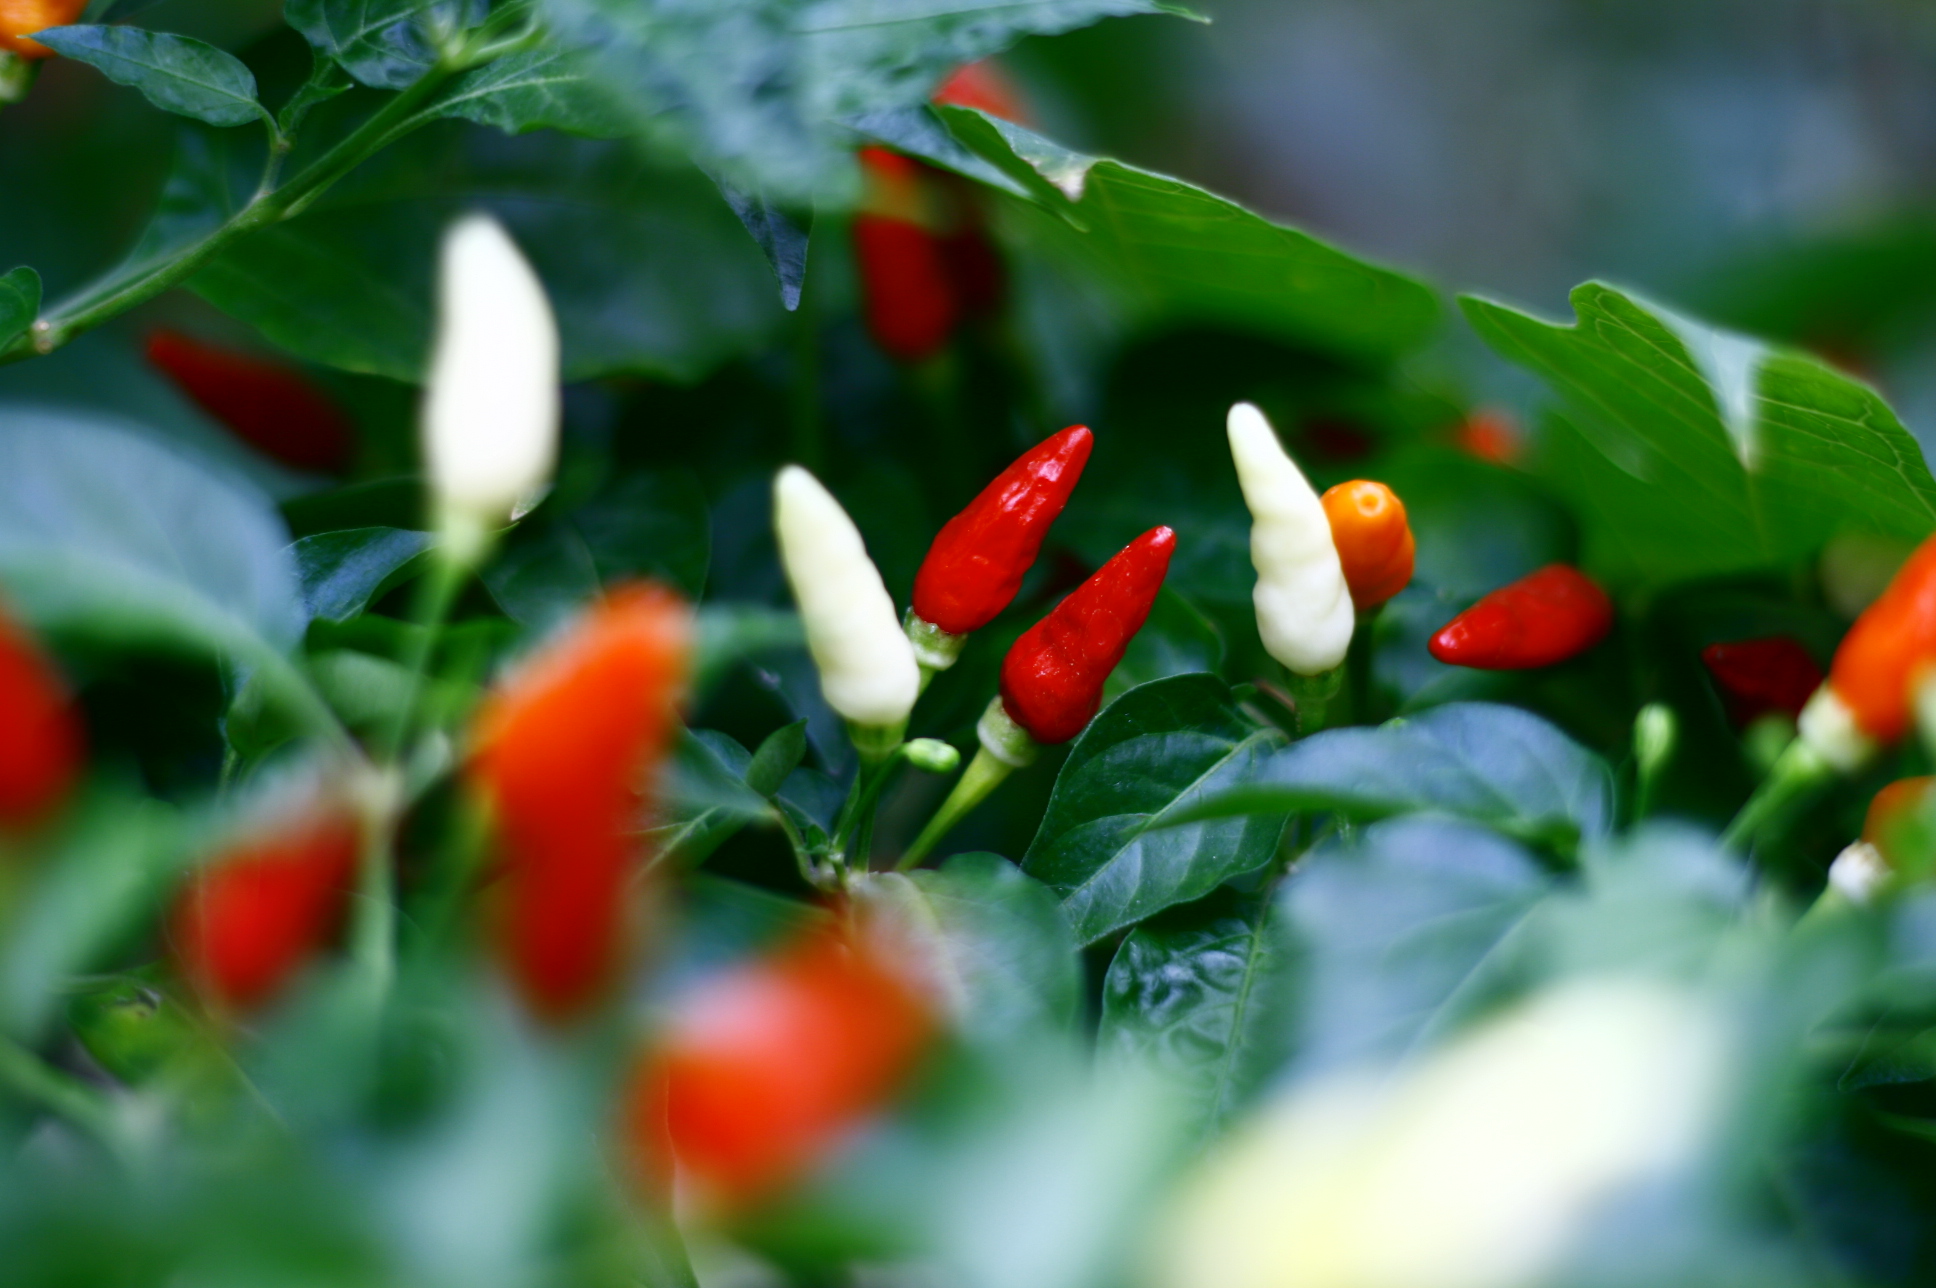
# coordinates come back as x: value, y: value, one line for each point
x: 1304, y: 608
x: 867, y: 668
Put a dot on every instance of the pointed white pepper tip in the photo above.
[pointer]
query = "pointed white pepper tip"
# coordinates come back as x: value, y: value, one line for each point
x: 491, y: 407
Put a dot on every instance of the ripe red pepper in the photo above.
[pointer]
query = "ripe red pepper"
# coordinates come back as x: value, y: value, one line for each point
x: 765, y: 1068
x: 1759, y: 676
x: 978, y: 559
x: 267, y: 405
x: 1543, y: 618
x: 1490, y: 435
x: 565, y: 749
x: 41, y: 742
x: 1052, y: 678
x: 21, y: 18
x: 983, y: 84
x: 1890, y: 647
x: 265, y: 905
x: 1373, y: 538
x: 906, y: 287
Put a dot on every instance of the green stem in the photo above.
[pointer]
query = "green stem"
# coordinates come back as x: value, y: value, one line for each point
x: 103, y: 300
x: 373, y: 927
x: 435, y: 595
x: 983, y: 775
x: 31, y: 1078
x: 1799, y: 771
x: 1313, y: 695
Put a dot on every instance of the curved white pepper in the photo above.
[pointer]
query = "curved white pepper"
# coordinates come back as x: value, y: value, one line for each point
x: 867, y: 668
x: 1304, y: 608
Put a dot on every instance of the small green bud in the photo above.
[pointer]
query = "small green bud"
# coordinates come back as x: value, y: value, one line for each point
x: 932, y: 755
x: 1766, y: 738
x: 1654, y: 734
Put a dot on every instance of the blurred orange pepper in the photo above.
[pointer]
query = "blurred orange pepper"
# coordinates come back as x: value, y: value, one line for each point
x: 1888, y: 809
x: 765, y: 1068
x: 565, y: 749
x: 22, y: 18
x: 1887, y: 651
x: 1373, y: 538
x: 41, y: 742
x: 265, y: 904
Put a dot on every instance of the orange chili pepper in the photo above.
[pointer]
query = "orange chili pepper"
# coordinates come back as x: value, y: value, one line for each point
x: 20, y: 19
x: 565, y: 750
x: 1890, y: 647
x: 1373, y: 538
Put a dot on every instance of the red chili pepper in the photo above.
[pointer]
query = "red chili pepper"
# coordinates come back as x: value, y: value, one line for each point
x: 41, y: 742
x: 1760, y: 676
x: 1490, y: 435
x: 983, y: 84
x: 21, y: 18
x: 565, y: 748
x: 766, y: 1068
x: 977, y: 561
x: 906, y: 287
x: 1374, y: 540
x: 265, y: 905
x: 267, y: 405
x: 1543, y: 618
x: 1890, y: 647
x: 1052, y: 678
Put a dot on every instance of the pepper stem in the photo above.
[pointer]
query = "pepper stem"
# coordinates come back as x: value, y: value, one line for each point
x: 984, y: 774
x: 1797, y: 772
x: 935, y: 650
x: 1312, y: 693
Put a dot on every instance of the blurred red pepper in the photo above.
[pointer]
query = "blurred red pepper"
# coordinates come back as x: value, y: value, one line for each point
x: 267, y: 405
x: 41, y: 741
x: 565, y: 750
x: 763, y: 1070
x: 978, y: 559
x: 1374, y: 540
x: 1490, y: 435
x: 1543, y: 618
x: 984, y: 85
x: 1889, y: 649
x: 265, y: 904
x: 21, y: 18
x: 1759, y: 676
x: 1052, y: 678
x: 906, y: 287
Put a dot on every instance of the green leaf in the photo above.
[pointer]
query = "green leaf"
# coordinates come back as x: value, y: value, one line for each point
x: 758, y: 89
x: 730, y: 633
x: 1201, y: 994
x: 175, y: 73
x: 708, y: 798
x: 648, y: 525
x: 386, y: 44
x: 1108, y: 844
x: 1001, y: 950
x: 1402, y: 934
x: 1493, y: 764
x: 19, y: 302
x: 779, y: 755
x: 1691, y: 452
x: 537, y: 89
x: 107, y: 532
x: 780, y: 237
x: 918, y: 132
x: 646, y: 267
x: 342, y: 571
x: 1171, y: 252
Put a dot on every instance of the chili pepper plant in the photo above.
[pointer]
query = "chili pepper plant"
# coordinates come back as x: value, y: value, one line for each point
x: 663, y: 644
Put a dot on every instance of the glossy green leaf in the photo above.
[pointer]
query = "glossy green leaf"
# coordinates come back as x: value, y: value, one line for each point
x: 996, y: 941
x: 707, y: 797
x: 1402, y: 934
x: 105, y: 531
x: 647, y: 268
x: 342, y: 571
x: 1109, y: 843
x: 1201, y: 994
x: 536, y: 89
x: 1691, y: 452
x: 19, y: 301
x: 759, y: 88
x: 383, y: 43
x: 780, y: 237
x: 1170, y: 252
x: 646, y: 526
x: 175, y: 73
x: 1493, y: 764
